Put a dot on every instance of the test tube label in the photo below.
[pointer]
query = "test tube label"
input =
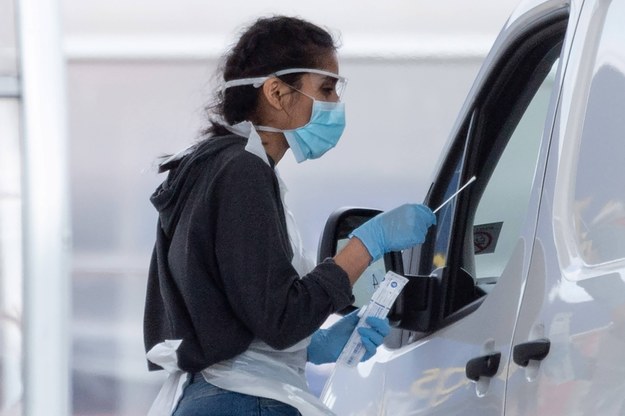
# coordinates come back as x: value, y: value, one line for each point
x: 379, y: 306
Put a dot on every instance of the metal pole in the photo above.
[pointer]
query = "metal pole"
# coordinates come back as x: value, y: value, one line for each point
x: 46, y: 227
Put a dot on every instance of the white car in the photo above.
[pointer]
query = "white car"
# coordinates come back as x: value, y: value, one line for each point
x: 516, y: 301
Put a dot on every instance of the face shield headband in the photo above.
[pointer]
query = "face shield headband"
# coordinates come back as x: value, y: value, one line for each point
x: 257, y: 82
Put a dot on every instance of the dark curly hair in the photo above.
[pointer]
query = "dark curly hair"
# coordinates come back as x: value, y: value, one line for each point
x: 268, y: 45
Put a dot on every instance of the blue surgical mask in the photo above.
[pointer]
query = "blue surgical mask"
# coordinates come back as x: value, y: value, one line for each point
x: 320, y: 134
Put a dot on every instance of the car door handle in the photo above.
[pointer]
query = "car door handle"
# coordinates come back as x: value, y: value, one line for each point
x: 533, y: 350
x: 484, y: 366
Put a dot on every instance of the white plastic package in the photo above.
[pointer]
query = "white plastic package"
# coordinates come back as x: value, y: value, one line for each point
x: 379, y: 306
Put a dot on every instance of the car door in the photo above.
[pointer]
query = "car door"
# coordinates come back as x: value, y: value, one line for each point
x: 569, y: 343
x: 479, y: 252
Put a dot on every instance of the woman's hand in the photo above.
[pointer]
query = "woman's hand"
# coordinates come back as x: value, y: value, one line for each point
x: 326, y: 344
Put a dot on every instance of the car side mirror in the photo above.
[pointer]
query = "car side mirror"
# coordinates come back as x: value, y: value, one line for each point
x: 413, y: 308
x: 336, y: 235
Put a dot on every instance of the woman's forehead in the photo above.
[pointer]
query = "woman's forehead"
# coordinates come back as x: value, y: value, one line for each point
x: 329, y: 62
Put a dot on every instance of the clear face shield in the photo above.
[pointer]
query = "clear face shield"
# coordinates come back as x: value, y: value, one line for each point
x: 328, y: 81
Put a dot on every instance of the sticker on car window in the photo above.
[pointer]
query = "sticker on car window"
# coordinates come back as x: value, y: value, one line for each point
x: 485, y: 237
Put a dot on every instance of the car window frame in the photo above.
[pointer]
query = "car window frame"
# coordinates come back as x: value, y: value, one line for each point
x: 453, y: 280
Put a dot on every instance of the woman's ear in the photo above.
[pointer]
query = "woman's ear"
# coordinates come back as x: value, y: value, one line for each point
x: 274, y: 90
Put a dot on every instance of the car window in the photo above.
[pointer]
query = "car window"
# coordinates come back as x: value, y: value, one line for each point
x: 503, y: 206
x: 446, y: 215
x: 500, y: 144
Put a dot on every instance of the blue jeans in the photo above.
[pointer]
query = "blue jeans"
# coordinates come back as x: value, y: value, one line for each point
x: 200, y: 398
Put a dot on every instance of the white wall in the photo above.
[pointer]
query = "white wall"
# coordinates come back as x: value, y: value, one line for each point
x: 202, y: 17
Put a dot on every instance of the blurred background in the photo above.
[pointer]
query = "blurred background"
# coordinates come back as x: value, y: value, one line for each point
x: 138, y: 76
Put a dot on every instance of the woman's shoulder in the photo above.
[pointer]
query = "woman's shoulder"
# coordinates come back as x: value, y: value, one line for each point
x: 235, y: 171
x: 213, y: 146
x: 226, y: 155
x: 234, y: 152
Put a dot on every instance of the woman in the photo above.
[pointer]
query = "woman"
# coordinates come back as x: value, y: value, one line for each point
x: 233, y: 308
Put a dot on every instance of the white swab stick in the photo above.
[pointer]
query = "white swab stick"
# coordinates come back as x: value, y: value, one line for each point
x: 455, y: 193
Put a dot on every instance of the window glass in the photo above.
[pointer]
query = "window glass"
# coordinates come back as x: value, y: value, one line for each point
x: 444, y: 220
x: 599, y: 201
x: 502, y: 208
x: 10, y: 260
x: 8, y: 50
x: 476, y: 234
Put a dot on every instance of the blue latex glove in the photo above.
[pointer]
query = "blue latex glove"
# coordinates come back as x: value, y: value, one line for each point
x: 373, y: 336
x: 326, y: 344
x: 394, y: 230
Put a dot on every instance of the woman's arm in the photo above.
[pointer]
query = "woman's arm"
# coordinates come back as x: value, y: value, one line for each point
x: 354, y: 259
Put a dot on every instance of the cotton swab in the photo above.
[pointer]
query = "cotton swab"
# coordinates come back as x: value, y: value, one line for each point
x: 455, y: 193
